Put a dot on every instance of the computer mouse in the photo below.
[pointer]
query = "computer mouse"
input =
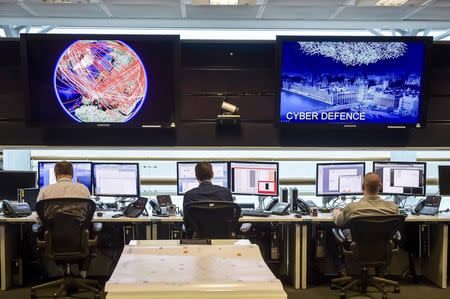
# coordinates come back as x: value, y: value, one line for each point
x: 99, y: 214
x: 298, y: 215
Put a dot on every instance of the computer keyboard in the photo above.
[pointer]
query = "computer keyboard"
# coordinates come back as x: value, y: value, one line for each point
x: 255, y: 213
x: 429, y: 210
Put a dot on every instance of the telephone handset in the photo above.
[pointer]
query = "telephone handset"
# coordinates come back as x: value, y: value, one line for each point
x: 156, y: 208
x: 305, y: 207
x: 136, y: 208
x: 15, y: 209
x: 281, y: 208
x: 419, y: 206
x: 271, y: 204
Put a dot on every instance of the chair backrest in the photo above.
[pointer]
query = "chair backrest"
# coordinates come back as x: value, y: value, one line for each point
x: 66, y: 223
x: 212, y: 219
x: 372, y: 237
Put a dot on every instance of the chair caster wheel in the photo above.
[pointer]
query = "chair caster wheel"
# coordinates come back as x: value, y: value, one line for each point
x: 396, y: 289
x: 342, y: 295
x: 384, y: 296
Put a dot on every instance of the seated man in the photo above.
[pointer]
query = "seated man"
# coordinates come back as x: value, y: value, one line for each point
x: 370, y: 205
x: 206, y: 190
x: 64, y: 187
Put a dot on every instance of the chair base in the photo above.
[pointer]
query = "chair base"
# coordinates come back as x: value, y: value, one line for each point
x: 67, y: 284
x: 348, y: 283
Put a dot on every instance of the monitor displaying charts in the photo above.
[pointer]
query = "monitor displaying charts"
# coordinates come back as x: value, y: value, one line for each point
x: 186, y: 179
x: 334, y: 179
x: 402, y: 178
x: 254, y: 178
x: 116, y: 179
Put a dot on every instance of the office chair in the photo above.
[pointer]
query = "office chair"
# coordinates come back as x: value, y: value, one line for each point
x: 373, y: 241
x: 66, y: 236
x: 211, y: 219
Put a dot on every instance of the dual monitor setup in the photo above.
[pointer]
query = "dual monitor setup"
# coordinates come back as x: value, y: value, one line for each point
x: 242, y: 178
x: 102, y: 179
x: 398, y: 178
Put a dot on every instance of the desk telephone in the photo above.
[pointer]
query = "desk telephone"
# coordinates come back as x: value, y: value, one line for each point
x: 15, y: 209
x: 428, y: 206
x: 278, y: 208
x: 135, y: 208
x: 304, y: 207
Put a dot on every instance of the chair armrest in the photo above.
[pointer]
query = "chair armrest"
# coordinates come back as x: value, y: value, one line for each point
x: 397, y: 236
x: 396, y: 239
x: 96, y: 227
x: 245, y: 227
x: 338, y: 235
x: 36, y: 228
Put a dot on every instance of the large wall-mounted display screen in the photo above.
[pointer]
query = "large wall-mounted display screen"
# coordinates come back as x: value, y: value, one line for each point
x: 343, y: 80
x: 101, y: 79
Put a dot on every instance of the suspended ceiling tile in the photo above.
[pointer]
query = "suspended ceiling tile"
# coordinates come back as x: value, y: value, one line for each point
x: 374, y: 13
x: 12, y: 10
x: 306, y: 2
x: 214, y: 12
x: 145, y: 11
x: 298, y: 12
x: 432, y: 13
x: 72, y: 10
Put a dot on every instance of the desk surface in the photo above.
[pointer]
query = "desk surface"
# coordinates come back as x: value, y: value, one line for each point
x: 322, y: 217
x: 193, y: 271
x: 327, y: 217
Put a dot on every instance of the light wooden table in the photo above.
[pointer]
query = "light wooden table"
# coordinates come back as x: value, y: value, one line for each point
x: 193, y: 271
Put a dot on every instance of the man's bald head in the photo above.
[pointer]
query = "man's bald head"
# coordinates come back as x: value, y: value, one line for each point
x: 372, y: 183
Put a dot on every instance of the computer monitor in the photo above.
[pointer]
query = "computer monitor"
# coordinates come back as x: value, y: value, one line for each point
x: 82, y: 173
x: 444, y: 179
x: 116, y: 179
x: 334, y: 179
x: 186, y: 179
x: 11, y: 181
x: 254, y: 178
x: 402, y: 178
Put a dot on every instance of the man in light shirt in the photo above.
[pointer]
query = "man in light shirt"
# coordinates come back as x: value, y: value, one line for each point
x: 64, y: 187
x: 370, y: 205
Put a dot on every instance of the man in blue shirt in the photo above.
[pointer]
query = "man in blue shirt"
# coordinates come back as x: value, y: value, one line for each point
x: 206, y: 190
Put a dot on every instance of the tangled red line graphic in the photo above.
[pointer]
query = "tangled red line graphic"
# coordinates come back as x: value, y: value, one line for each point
x: 100, y: 81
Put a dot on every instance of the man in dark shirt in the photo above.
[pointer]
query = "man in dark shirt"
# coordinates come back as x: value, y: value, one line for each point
x: 206, y: 190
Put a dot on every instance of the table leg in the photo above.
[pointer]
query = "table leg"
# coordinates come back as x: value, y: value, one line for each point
x: 154, y: 231
x: 3, y: 271
x: 8, y: 247
x: 148, y: 232
x: 304, y: 255
x: 435, y: 267
x: 295, y: 265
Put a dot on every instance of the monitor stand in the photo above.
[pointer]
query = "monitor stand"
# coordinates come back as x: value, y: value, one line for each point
x: 261, y: 203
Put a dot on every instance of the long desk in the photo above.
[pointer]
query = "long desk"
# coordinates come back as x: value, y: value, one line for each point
x: 297, y: 260
x: 161, y: 269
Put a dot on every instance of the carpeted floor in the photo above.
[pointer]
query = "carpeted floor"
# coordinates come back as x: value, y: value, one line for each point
x: 408, y: 291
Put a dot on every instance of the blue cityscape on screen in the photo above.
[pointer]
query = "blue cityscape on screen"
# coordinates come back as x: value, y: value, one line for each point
x: 351, y: 82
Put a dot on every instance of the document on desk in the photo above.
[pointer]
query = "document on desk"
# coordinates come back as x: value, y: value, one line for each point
x: 193, y: 271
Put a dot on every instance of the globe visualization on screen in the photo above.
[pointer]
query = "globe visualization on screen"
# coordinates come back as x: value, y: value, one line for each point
x: 100, y: 81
